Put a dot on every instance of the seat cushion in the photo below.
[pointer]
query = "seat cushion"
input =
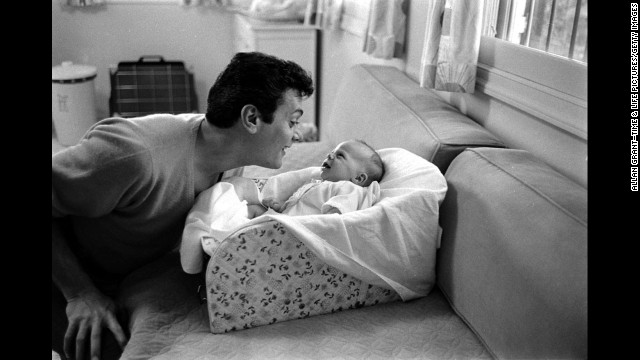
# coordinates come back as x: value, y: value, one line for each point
x: 424, y: 328
x: 167, y: 321
x: 513, y: 257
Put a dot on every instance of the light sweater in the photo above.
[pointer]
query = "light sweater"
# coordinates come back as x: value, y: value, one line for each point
x: 127, y: 188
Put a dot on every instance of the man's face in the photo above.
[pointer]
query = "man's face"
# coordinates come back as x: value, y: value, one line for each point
x: 276, y: 137
x: 345, y: 162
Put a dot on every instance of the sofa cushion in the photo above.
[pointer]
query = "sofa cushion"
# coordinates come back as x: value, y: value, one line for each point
x: 384, y: 107
x: 513, y: 257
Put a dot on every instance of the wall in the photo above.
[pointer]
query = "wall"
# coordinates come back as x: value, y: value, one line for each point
x: 341, y: 50
x: 104, y: 35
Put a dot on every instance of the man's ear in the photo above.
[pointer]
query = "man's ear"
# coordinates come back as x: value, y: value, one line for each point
x: 360, y: 179
x: 250, y: 118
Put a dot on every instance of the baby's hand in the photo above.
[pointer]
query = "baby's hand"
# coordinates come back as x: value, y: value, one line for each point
x: 272, y: 203
x: 255, y: 210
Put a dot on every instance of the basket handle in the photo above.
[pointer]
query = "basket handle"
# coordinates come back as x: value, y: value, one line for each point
x: 146, y: 58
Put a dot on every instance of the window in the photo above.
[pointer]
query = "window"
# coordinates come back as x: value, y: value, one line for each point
x: 555, y: 26
x: 533, y: 56
x: 515, y: 66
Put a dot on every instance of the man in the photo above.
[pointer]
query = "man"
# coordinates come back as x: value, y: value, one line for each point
x: 120, y: 197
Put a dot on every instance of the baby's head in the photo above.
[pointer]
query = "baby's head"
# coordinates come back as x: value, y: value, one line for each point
x: 355, y: 161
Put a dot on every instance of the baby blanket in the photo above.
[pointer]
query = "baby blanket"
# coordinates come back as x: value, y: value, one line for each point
x: 391, y: 244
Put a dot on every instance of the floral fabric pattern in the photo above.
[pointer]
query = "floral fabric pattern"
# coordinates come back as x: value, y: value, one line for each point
x: 260, y: 182
x: 263, y: 274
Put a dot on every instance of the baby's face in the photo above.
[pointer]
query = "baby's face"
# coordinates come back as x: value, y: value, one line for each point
x: 345, y: 162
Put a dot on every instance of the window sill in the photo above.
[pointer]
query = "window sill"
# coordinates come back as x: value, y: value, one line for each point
x: 546, y: 86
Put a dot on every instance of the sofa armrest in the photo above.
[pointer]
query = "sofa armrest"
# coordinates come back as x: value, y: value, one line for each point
x: 513, y: 257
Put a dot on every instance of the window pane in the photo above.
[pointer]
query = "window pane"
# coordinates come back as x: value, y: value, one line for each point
x: 580, y: 49
x: 540, y: 24
x: 561, y: 28
x: 548, y: 25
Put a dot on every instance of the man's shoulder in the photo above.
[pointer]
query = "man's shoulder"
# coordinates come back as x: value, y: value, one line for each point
x: 177, y: 120
x: 116, y: 139
x: 154, y: 125
x: 147, y: 132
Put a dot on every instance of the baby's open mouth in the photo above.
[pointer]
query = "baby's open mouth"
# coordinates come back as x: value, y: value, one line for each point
x: 325, y: 165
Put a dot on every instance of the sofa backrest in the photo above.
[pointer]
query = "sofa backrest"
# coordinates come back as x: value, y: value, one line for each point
x: 384, y: 107
x: 513, y: 255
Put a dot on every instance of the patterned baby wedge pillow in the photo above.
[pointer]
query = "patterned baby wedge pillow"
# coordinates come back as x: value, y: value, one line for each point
x: 262, y: 275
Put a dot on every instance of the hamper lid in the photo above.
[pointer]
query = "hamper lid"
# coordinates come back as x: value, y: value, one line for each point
x: 68, y: 72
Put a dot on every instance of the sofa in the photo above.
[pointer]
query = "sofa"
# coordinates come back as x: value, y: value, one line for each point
x: 510, y: 267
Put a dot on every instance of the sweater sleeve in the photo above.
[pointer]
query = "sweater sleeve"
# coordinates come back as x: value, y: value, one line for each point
x: 109, y: 169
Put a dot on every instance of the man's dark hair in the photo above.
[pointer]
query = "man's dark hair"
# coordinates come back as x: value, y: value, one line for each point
x: 258, y: 79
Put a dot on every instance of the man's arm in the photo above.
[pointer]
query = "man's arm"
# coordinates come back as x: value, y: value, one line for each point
x: 88, y: 310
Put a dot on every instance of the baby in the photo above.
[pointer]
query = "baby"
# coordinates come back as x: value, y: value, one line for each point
x: 349, y: 182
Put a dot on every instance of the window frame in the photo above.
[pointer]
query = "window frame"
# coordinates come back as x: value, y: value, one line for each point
x: 548, y: 86
x: 545, y: 85
x: 504, y: 17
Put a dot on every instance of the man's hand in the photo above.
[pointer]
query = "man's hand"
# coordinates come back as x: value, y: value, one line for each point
x: 88, y: 314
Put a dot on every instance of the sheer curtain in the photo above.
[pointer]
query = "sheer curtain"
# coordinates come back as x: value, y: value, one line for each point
x: 451, y: 44
x: 84, y: 2
x: 384, y: 37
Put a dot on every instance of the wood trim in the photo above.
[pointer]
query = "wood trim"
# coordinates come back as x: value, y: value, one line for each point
x: 550, y: 88
x: 562, y: 110
x: 556, y: 72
